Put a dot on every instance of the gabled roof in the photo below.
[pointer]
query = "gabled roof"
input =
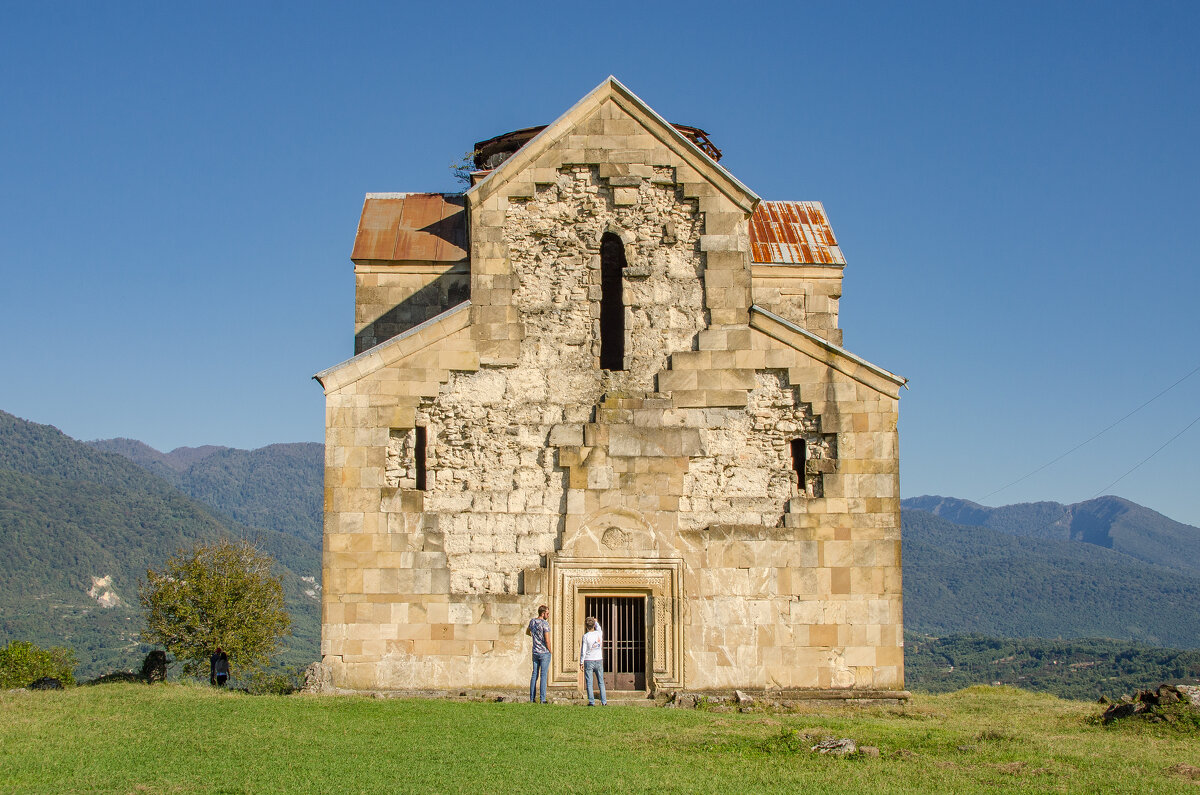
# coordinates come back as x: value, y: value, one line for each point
x: 416, y: 338
x: 824, y: 351
x: 793, y: 233
x: 412, y: 226
x: 660, y: 128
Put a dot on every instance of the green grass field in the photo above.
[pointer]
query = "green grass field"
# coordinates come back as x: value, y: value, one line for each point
x: 190, y: 738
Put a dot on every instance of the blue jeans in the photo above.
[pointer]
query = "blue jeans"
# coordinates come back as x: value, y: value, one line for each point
x: 541, y: 668
x: 596, y: 668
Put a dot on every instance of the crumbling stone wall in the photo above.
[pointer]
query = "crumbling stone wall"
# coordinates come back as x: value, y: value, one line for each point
x: 553, y: 241
x: 400, y: 467
x: 746, y: 475
x: 495, y: 486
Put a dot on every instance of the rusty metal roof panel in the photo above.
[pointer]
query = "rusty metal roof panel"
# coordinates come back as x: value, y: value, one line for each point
x: 412, y: 226
x: 793, y: 233
x: 376, y: 238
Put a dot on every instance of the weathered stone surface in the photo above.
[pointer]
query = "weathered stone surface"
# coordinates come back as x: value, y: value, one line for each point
x: 839, y: 746
x: 738, y: 473
x: 1149, y: 703
x: 317, y: 679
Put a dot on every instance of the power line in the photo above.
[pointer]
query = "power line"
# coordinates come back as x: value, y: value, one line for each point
x: 1144, y: 460
x: 1097, y: 436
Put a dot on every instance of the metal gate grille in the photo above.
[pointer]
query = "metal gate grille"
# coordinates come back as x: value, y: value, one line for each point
x: 623, y: 619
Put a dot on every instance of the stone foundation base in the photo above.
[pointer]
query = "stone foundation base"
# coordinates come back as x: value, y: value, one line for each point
x: 783, y: 699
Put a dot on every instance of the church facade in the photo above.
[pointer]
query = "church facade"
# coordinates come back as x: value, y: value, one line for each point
x: 608, y: 378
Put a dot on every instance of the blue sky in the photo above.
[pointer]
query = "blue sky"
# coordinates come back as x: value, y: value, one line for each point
x: 1015, y: 187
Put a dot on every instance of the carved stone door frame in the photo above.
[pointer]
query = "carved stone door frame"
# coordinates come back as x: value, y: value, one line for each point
x: 659, y: 579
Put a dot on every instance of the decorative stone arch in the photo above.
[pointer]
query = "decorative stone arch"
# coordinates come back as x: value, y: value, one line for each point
x: 628, y: 237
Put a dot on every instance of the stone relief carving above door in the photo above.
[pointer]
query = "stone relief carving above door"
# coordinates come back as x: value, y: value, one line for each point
x: 615, y: 532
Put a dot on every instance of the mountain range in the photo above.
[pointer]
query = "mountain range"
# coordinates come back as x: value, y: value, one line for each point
x: 81, y: 522
x: 962, y: 579
x: 278, y: 486
x: 1105, y: 522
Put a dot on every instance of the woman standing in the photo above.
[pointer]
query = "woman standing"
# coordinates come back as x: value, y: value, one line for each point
x: 591, y: 659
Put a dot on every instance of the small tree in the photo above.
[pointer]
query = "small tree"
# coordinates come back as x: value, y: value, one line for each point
x: 216, y: 595
x: 463, y: 168
x: 22, y: 663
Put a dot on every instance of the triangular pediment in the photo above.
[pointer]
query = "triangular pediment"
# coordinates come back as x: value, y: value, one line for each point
x: 612, y: 91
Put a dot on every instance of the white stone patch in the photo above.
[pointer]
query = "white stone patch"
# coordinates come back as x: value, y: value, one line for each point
x: 313, y: 591
x: 554, y: 246
x: 102, y: 591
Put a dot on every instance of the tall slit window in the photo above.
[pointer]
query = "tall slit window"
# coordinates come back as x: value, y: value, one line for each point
x: 612, y: 302
x: 798, y: 458
x: 419, y: 456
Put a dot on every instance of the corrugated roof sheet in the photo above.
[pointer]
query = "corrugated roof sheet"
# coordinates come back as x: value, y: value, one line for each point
x: 433, y: 227
x: 793, y: 233
x: 412, y: 226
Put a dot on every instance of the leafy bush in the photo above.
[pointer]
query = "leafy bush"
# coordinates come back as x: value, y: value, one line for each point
x: 22, y: 663
x: 275, y: 683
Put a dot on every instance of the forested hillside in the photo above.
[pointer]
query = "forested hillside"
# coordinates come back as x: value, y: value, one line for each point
x: 971, y: 579
x: 79, y: 527
x: 1084, y: 669
x: 278, y: 486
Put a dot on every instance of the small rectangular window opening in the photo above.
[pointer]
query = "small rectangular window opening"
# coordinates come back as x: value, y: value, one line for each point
x: 798, y: 459
x: 419, y: 455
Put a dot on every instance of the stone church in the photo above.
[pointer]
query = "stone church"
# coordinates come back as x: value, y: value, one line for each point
x: 609, y: 378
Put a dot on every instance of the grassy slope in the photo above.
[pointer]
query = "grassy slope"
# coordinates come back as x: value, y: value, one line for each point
x: 174, y: 738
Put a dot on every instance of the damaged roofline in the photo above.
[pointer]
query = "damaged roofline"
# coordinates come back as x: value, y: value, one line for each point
x: 747, y: 202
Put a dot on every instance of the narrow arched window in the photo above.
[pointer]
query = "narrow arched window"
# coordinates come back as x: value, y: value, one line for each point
x: 612, y: 302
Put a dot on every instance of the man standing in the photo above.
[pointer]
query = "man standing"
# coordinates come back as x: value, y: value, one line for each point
x: 218, y: 667
x: 539, y: 630
x: 591, y: 659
